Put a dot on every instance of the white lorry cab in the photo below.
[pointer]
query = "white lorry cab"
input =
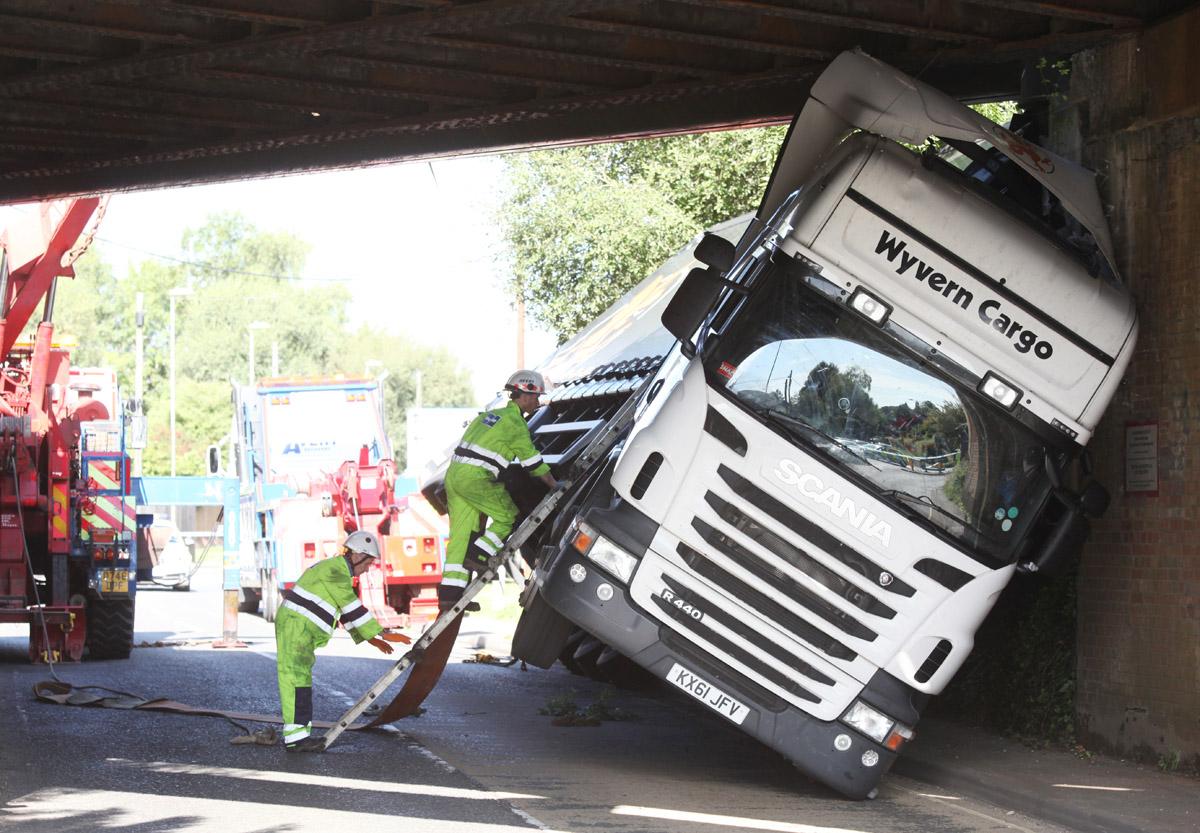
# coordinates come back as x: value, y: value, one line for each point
x: 862, y: 431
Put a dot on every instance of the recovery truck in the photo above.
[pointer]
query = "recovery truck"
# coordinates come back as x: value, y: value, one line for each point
x: 870, y: 415
x: 315, y: 464
x: 66, y: 516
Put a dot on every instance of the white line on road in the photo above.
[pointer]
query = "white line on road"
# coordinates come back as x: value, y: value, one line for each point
x: 960, y: 808
x: 726, y: 821
x: 318, y: 780
x: 53, y: 810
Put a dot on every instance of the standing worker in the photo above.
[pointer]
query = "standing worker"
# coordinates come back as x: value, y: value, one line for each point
x: 322, y: 597
x: 492, y: 441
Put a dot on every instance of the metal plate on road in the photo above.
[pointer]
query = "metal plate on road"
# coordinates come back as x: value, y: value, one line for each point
x: 707, y: 693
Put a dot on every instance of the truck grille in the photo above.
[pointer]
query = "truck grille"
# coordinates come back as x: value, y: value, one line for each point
x: 813, y: 533
x: 795, y: 557
x: 780, y: 583
x: 765, y: 605
x: 733, y: 623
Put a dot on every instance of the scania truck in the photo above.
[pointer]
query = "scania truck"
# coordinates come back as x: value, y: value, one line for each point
x: 872, y: 416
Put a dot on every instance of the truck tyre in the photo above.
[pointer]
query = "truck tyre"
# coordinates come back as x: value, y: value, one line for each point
x: 567, y: 655
x: 248, y: 599
x: 109, y: 628
x: 540, y: 633
x: 619, y: 670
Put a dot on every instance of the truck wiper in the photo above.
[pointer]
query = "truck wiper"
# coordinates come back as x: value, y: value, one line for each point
x: 790, y: 423
x: 924, y: 502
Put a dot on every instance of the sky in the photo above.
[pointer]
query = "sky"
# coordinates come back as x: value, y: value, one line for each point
x: 416, y: 244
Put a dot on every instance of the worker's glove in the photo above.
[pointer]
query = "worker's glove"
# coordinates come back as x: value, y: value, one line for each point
x: 447, y: 596
x: 475, y: 561
x: 381, y: 644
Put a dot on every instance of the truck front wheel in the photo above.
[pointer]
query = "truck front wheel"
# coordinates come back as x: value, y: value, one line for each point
x: 109, y: 628
x: 541, y: 632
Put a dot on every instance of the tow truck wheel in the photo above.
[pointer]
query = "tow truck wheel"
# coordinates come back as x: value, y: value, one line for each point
x: 109, y: 628
x: 248, y: 599
x: 540, y: 633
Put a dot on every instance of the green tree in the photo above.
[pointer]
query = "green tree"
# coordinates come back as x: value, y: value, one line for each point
x: 444, y: 383
x: 585, y: 224
x: 238, y: 275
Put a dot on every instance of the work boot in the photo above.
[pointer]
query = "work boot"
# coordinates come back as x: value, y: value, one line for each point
x: 308, y: 744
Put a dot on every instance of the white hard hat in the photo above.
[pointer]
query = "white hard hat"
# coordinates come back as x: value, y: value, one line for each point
x: 366, y: 543
x: 526, y: 381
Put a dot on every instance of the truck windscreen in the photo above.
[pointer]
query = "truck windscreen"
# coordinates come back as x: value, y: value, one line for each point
x: 311, y: 431
x: 833, y: 383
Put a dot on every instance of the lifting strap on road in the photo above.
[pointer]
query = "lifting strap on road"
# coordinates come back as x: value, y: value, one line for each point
x: 65, y: 694
x: 430, y: 652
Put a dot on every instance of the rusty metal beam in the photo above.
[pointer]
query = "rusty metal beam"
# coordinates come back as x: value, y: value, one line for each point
x: 56, y: 24
x: 23, y: 49
x: 647, y: 30
x: 339, y: 88
x: 458, y: 74
x: 859, y: 22
x: 227, y: 11
x: 453, y: 19
x: 1058, y: 43
x: 681, y: 107
x: 656, y: 66
x: 1063, y: 11
x: 189, y: 98
x: 92, y: 109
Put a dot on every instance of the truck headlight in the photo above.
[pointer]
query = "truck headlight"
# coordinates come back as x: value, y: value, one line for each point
x: 877, y: 726
x: 586, y: 541
x: 613, y: 559
x: 872, y: 723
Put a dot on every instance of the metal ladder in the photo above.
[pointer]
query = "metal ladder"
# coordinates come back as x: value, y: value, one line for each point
x: 600, y: 445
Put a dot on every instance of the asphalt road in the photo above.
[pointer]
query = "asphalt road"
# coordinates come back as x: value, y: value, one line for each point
x: 481, y: 758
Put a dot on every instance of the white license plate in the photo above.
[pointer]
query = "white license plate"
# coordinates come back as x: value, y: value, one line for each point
x: 707, y: 693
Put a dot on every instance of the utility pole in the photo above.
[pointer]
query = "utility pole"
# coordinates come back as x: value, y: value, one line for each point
x: 139, y: 385
x: 520, y: 326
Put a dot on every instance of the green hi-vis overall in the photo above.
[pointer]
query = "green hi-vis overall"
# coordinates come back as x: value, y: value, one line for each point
x: 322, y: 597
x: 492, y: 441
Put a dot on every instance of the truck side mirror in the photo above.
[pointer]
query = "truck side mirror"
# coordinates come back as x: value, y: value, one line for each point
x: 1094, y: 500
x: 715, y: 252
x: 690, y: 305
x: 1070, y: 531
x: 214, y: 460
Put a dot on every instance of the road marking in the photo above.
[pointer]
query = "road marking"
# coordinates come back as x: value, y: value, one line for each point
x: 1094, y: 787
x: 168, y: 768
x: 64, y: 808
x: 948, y: 802
x: 726, y: 821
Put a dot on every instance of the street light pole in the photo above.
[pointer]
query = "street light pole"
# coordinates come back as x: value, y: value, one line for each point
x: 173, y: 295
x: 250, y: 328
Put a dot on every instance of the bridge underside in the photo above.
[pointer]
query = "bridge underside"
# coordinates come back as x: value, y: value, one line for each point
x: 119, y: 94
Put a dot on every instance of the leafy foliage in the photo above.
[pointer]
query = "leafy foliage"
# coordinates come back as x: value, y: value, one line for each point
x: 238, y: 275
x: 585, y: 224
x: 1025, y: 649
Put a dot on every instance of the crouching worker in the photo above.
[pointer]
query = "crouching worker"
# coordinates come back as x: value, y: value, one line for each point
x: 322, y: 597
x: 473, y: 491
